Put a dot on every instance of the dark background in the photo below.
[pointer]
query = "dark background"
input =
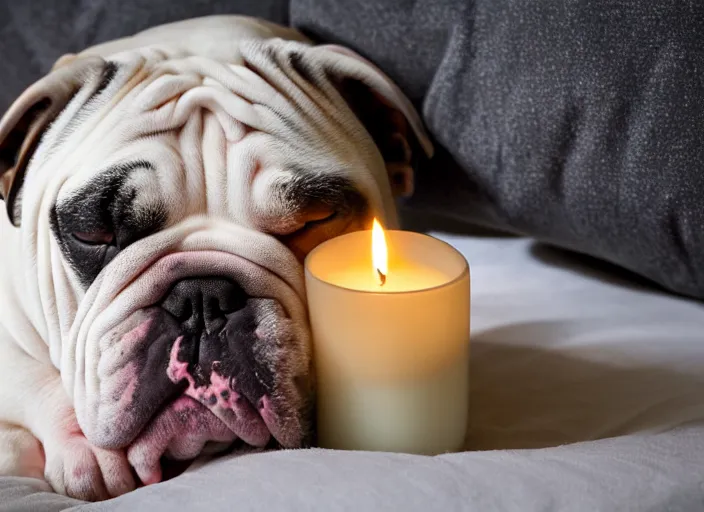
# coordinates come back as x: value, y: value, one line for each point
x: 35, y: 33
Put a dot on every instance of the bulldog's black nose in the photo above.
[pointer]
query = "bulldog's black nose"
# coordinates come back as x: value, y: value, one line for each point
x: 203, y: 303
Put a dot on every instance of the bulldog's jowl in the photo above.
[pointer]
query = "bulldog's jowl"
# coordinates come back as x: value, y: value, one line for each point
x: 208, y: 328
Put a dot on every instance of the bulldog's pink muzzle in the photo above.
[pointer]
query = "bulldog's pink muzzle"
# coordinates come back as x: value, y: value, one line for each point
x: 200, y: 355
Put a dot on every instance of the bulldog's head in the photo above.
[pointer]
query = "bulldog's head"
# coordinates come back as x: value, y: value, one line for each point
x: 166, y: 200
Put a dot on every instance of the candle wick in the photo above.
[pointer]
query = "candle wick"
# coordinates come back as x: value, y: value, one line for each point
x: 382, y: 277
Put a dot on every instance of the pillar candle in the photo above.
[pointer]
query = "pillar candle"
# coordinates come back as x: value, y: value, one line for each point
x: 391, y: 342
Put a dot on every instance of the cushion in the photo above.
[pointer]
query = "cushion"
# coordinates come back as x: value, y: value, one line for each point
x: 576, y: 123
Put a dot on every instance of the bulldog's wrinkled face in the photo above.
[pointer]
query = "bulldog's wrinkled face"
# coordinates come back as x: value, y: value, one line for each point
x: 178, y: 198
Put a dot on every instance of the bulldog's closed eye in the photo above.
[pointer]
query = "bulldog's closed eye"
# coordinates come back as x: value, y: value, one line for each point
x: 93, y: 224
x: 95, y: 237
x: 317, y: 228
x: 311, y: 217
x: 320, y: 206
x: 316, y: 218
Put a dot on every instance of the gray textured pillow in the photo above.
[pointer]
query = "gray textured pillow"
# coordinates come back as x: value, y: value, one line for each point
x: 577, y: 123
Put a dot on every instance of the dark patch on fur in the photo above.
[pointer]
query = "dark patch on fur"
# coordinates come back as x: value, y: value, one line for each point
x: 310, y: 190
x: 317, y: 206
x: 153, y: 361
x: 106, y: 78
x: 203, y: 306
x: 153, y: 388
x: 252, y: 378
x: 230, y: 353
x: 307, y: 70
x: 104, y: 205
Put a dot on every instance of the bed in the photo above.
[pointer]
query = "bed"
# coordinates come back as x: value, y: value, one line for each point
x: 587, y: 393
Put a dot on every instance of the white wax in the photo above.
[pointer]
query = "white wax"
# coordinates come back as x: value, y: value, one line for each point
x: 426, y: 415
x: 391, y: 361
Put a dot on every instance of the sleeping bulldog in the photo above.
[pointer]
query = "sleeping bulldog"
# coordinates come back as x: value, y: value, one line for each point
x: 161, y: 192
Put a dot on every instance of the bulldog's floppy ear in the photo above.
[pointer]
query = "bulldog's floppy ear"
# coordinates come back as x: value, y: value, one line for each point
x: 383, y: 108
x: 22, y: 126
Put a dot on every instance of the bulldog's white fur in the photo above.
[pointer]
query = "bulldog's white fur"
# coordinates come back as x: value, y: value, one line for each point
x: 216, y: 131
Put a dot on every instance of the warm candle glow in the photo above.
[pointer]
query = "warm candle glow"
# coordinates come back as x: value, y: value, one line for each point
x: 391, y: 360
x: 380, y: 254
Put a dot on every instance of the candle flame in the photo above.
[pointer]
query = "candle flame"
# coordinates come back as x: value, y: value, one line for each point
x: 380, y: 254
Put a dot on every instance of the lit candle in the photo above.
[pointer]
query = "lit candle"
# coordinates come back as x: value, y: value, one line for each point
x: 391, y: 342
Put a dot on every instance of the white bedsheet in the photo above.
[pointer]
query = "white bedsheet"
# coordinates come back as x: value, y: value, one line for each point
x: 587, y: 394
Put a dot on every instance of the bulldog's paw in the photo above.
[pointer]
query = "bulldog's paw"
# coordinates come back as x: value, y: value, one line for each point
x: 21, y: 453
x: 80, y: 470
